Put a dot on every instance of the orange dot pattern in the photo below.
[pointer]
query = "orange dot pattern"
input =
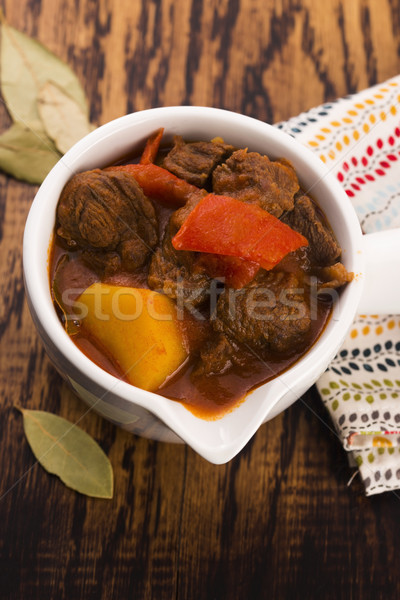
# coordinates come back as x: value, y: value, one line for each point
x: 374, y: 329
x: 358, y: 117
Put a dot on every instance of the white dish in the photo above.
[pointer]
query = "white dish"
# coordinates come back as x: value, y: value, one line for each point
x: 148, y: 414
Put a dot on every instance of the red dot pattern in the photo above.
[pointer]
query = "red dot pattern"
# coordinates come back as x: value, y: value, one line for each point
x: 380, y: 169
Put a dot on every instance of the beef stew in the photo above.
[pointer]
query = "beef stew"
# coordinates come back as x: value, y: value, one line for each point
x: 241, y: 324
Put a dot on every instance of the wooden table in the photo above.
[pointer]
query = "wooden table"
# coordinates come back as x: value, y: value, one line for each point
x: 278, y: 521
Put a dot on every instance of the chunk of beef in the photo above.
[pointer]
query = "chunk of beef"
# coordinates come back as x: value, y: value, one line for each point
x: 106, y: 263
x: 253, y: 178
x: 179, y: 216
x: 177, y: 273
x: 334, y: 276
x: 323, y: 249
x: 107, y: 215
x: 218, y: 356
x: 271, y: 313
x: 195, y: 161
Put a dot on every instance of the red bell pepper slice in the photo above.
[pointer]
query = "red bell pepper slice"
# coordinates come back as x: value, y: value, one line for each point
x: 224, y: 225
x: 150, y: 151
x: 159, y: 183
x: 235, y: 272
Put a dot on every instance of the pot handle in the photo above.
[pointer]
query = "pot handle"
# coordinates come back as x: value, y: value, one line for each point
x: 381, y: 292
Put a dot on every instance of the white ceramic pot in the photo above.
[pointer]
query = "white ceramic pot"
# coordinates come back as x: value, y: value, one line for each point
x: 151, y: 415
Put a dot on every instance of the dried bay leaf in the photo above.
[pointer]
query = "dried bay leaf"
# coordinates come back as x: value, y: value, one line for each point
x: 70, y: 324
x: 63, y: 118
x: 27, y: 155
x: 26, y: 65
x: 27, y: 150
x: 71, y: 278
x: 65, y: 450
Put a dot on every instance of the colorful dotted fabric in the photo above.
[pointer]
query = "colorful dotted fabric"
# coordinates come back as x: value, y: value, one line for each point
x: 358, y: 138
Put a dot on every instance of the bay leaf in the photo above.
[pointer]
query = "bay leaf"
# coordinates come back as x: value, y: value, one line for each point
x: 68, y: 321
x: 65, y: 450
x: 27, y: 155
x: 25, y: 66
x: 63, y: 118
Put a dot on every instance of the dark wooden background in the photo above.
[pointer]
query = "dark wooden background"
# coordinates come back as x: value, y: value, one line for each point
x: 279, y: 521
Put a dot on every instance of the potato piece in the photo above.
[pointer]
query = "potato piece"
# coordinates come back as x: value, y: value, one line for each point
x: 139, y: 329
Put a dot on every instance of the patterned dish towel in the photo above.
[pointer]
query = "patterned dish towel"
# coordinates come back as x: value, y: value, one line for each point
x: 358, y: 137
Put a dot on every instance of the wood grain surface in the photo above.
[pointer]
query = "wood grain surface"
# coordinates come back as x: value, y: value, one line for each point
x: 278, y: 521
